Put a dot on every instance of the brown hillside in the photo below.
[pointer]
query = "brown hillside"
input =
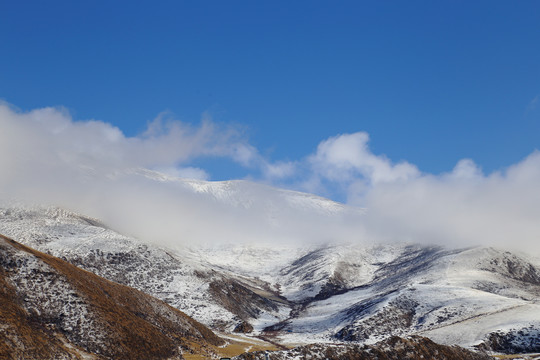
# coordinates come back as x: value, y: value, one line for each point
x: 52, y: 309
x: 21, y: 337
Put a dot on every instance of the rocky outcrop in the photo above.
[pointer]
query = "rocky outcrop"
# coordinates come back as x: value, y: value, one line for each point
x: 394, y: 348
x: 515, y: 341
x: 243, y: 327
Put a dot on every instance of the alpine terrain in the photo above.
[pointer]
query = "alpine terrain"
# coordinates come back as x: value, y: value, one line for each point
x: 52, y: 309
x: 334, y: 299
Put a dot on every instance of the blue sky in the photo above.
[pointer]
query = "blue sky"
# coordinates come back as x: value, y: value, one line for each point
x: 432, y: 83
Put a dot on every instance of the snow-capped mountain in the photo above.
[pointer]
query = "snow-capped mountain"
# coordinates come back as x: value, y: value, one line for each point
x: 302, y: 293
x: 247, y: 195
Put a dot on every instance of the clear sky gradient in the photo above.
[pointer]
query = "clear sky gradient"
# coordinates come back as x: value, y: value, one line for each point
x: 431, y: 82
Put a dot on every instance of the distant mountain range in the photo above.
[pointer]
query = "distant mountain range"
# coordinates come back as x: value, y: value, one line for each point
x: 283, y: 294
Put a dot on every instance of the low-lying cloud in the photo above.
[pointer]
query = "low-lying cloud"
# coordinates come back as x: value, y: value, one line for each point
x: 463, y: 207
x: 47, y: 157
x: 132, y: 183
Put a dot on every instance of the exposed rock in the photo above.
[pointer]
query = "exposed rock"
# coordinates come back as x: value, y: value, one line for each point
x: 239, y: 299
x: 525, y: 340
x: 395, y: 319
x: 243, y: 327
x: 394, y: 348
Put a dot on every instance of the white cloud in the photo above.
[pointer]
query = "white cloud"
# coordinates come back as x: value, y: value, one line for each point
x: 45, y: 152
x: 279, y: 170
x: 463, y: 207
x: 466, y: 169
x: 347, y: 160
x: 92, y: 167
x: 244, y: 154
x: 347, y: 157
x: 165, y: 143
x: 184, y: 172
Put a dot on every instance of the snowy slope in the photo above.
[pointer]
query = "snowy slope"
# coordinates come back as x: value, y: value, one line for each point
x: 249, y: 195
x: 452, y: 297
x: 305, y: 292
x: 181, y: 281
x: 359, y: 293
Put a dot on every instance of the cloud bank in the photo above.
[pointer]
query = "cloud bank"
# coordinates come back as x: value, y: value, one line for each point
x: 132, y: 183
x: 92, y: 167
x: 463, y: 207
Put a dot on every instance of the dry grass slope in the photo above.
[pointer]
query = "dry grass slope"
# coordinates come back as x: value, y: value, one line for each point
x: 137, y: 326
x: 21, y: 336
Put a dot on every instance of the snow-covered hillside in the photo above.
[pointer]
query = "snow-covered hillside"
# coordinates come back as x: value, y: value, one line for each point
x: 89, y: 244
x: 249, y: 195
x: 50, y: 309
x: 301, y: 292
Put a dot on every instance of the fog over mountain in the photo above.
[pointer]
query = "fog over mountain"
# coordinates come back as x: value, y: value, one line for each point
x: 133, y: 184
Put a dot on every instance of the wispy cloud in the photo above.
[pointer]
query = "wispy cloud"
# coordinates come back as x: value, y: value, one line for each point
x: 532, y: 105
x: 534, y: 102
x: 167, y: 144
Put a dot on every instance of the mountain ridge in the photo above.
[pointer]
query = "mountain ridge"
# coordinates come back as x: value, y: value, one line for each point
x: 326, y: 293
